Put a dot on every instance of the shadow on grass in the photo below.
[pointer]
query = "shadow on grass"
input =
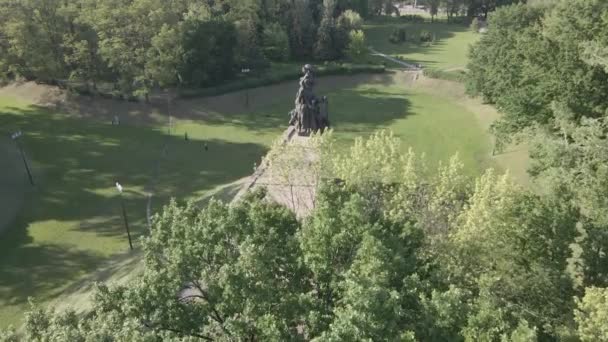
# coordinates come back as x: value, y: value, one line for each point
x: 70, y: 221
x: 70, y: 224
x: 40, y: 270
x: 354, y: 100
x: 378, y: 33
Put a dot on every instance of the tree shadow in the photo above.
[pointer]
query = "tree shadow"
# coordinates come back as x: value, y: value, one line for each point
x: 371, y: 100
x: 71, y: 222
x: 379, y: 33
x: 40, y: 270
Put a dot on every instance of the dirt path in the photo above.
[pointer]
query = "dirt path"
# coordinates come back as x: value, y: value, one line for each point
x: 394, y: 60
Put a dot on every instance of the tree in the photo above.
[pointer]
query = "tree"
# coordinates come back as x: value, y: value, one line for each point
x: 356, y: 46
x: 391, y: 249
x: 518, y: 63
x: 573, y: 165
x: 208, y: 52
x: 165, y: 57
x: 514, y: 247
x: 592, y: 315
x: 350, y: 20
x: 452, y: 7
x: 301, y: 29
x: 275, y: 43
x: 327, y: 47
x: 434, y: 8
x: 33, y: 34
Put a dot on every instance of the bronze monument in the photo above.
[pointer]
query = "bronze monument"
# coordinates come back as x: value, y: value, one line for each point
x: 310, y: 114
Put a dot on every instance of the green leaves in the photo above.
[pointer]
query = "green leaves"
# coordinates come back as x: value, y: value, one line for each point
x: 592, y: 314
x: 395, y: 254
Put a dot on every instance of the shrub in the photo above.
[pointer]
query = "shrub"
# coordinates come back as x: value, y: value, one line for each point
x: 426, y: 36
x: 356, y: 45
x: 351, y: 20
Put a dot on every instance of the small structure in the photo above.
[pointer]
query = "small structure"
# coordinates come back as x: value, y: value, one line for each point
x: 311, y: 113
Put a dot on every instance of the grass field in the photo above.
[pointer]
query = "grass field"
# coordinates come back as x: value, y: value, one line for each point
x: 69, y: 223
x: 448, y: 52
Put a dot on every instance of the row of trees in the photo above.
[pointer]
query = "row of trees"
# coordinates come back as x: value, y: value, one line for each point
x: 544, y: 66
x: 545, y: 69
x: 390, y: 252
x: 141, y: 44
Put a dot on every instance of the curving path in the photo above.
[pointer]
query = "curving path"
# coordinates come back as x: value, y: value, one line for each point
x: 394, y: 60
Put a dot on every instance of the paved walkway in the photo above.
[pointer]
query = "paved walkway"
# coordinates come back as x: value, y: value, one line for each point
x: 290, y: 174
x: 395, y: 60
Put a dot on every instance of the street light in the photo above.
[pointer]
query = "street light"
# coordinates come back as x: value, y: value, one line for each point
x: 124, y: 213
x: 15, y: 136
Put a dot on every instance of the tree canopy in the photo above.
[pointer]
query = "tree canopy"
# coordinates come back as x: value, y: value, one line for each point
x: 388, y: 253
x: 138, y: 45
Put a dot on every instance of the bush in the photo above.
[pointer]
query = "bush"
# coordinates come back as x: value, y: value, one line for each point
x: 351, y: 20
x: 356, y: 45
x: 426, y: 36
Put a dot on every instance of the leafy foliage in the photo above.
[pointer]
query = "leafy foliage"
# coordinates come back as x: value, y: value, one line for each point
x: 532, y: 56
x: 356, y: 46
x: 138, y: 45
x: 389, y: 250
x: 592, y: 314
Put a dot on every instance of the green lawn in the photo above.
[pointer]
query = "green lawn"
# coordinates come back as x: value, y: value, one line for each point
x: 428, y: 122
x: 68, y: 226
x: 449, y: 50
x: 69, y: 223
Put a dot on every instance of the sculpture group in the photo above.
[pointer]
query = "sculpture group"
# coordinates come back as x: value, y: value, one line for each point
x: 310, y: 114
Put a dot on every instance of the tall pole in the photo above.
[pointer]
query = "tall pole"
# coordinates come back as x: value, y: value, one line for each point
x: 124, y: 213
x: 27, y: 166
x: 124, y: 216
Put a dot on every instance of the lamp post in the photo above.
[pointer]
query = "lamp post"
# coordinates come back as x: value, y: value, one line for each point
x: 246, y: 71
x: 124, y: 213
x: 15, y: 136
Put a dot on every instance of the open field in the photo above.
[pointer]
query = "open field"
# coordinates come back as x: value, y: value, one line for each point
x: 448, y: 52
x: 69, y: 226
x: 66, y: 232
x: 69, y: 223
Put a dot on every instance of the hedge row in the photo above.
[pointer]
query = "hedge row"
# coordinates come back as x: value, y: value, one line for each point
x: 456, y: 76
